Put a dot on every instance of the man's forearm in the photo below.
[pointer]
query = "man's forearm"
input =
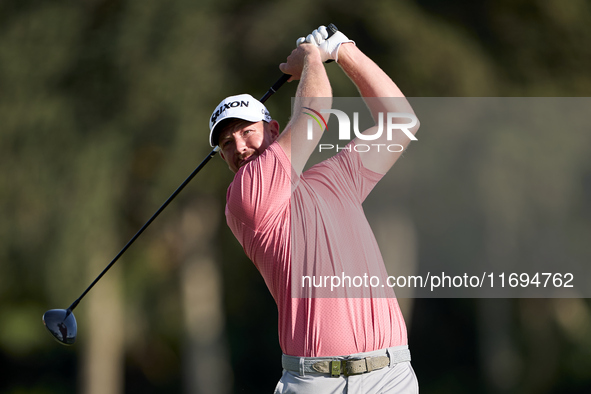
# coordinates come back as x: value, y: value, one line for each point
x: 314, y: 81
x: 381, y: 95
x: 313, y: 84
x: 313, y: 92
x: 370, y: 79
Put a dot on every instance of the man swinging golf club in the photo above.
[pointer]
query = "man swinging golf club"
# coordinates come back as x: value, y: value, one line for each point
x: 288, y: 220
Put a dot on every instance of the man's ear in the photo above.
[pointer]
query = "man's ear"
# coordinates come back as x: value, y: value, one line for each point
x: 274, y: 129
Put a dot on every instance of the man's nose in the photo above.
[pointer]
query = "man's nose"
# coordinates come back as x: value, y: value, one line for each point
x: 240, y: 145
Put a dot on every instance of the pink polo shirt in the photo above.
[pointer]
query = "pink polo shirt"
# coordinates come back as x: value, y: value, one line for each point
x: 313, y: 225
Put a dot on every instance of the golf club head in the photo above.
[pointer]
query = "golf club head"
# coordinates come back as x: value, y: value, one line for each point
x: 61, y: 324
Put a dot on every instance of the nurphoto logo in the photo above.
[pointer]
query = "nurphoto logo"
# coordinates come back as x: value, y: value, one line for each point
x: 387, y: 125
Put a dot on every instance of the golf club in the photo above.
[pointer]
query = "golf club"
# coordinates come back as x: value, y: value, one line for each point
x: 61, y: 323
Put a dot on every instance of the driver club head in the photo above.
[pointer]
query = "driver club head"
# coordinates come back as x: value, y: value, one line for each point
x: 61, y: 324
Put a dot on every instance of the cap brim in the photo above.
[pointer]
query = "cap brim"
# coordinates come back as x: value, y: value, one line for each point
x: 215, y: 132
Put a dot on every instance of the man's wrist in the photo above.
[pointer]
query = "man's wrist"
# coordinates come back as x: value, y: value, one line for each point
x: 313, y: 55
x: 344, y: 51
x: 312, y: 52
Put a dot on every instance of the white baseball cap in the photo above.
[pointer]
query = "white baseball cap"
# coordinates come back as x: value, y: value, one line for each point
x: 242, y: 106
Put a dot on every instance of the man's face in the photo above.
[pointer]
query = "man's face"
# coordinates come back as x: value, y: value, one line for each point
x: 244, y: 141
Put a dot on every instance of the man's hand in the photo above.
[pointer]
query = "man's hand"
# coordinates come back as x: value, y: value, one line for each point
x: 329, y: 47
x: 297, y: 60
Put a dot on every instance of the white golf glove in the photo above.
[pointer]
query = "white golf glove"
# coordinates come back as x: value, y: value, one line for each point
x: 329, y: 47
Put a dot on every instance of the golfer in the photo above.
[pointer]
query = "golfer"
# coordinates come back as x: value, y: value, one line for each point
x: 289, y: 219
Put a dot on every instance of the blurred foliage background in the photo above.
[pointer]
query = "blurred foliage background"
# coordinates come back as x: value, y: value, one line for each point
x: 104, y: 108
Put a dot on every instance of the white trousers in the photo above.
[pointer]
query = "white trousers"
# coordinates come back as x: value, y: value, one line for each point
x: 394, y: 379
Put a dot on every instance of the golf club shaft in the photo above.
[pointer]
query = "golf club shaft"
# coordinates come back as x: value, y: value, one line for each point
x: 269, y: 93
x: 275, y: 87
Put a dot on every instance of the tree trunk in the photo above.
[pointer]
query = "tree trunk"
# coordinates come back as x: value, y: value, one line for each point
x: 206, y: 365
x: 102, y: 334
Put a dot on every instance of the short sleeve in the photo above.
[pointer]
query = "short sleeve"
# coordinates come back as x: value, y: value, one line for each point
x: 261, y: 189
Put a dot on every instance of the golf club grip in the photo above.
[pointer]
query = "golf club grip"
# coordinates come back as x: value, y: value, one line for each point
x: 332, y: 29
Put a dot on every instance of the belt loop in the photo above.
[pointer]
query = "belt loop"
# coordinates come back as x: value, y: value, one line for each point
x: 302, y: 366
x: 391, y: 351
